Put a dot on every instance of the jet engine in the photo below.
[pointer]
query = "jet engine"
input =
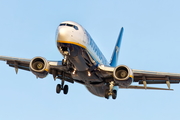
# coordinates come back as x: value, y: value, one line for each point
x: 39, y: 66
x: 123, y: 75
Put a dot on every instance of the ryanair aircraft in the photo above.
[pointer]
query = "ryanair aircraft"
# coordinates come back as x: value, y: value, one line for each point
x: 84, y: 63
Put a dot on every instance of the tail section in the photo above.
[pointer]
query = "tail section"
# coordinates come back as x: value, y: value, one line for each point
x: 115, y: 54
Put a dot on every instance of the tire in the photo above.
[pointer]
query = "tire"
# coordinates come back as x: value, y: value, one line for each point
x: 106, y: 94
x: 65, y: 89
x: 114, y: 94
x: 58, y: 88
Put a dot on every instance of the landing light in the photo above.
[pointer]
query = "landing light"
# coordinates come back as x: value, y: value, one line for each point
x: 74, y: 71
x: 89, y: 74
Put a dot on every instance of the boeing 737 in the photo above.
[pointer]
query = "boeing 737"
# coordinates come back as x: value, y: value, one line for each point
x: 84, y: 63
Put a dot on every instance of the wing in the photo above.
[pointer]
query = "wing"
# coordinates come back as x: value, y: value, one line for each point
x: 17, y: 62
x: 153, y: 77
x: 56, y: 68
x: 143, y: 77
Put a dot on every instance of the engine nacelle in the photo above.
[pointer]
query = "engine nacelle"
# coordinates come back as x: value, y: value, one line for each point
x: 39, y: 66
x: 123, y: 75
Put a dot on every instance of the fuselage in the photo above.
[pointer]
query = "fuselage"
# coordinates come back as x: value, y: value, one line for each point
x: 83, y: 55
x: 72, y: 33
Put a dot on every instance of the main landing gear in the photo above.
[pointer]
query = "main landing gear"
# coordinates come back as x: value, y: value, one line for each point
x: 60, y: 87
x: 111, y: 91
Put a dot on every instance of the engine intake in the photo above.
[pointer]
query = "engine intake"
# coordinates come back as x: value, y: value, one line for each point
x: 123, y: 75
x: 39, y: 66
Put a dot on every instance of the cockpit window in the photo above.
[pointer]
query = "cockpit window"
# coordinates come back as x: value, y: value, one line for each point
x: 75, y: 27
x: 62, y: 24
x: 70, y: 25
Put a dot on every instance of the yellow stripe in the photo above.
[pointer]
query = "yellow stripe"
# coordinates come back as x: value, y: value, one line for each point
x: 131, y: 76
x: 74, y: 43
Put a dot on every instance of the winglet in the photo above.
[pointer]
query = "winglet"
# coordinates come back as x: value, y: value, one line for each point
x: 115, y: 54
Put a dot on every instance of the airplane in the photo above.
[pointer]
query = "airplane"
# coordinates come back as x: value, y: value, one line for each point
x: 84, y: 63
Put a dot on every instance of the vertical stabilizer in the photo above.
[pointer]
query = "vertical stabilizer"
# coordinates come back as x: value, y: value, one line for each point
x: 115, y: 54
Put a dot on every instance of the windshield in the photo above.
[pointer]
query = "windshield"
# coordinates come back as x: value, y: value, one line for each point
x: 69, y: 25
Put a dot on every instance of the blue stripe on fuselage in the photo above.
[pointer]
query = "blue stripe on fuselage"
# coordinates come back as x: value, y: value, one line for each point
x: 95, y: 52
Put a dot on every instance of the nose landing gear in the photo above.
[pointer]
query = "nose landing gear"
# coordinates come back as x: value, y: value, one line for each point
x: 61, y: 86
x: 64, y: 61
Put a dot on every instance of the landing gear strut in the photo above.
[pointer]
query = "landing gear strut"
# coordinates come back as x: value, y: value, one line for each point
x: 61, y: 86
x: 64, y: 61
x: 111, y: 91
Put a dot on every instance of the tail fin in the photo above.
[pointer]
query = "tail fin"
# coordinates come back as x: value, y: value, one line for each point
x: 115, y: 54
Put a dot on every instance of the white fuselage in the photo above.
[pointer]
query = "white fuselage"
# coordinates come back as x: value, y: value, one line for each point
x: 73, y: 33
x: 84, y: 56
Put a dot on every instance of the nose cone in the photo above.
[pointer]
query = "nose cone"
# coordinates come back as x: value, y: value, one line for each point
x: 62, y: 34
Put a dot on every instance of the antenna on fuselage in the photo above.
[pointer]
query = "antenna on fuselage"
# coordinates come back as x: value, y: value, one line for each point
x: 115, y: 54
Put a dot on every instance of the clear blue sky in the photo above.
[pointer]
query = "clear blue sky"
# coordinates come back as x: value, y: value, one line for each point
x: 151, y: 42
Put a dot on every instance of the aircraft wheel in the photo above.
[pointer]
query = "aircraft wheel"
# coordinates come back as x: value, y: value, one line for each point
x: 107, y: 94
x: 65, y: 89
x: 114, y: 94
x: 58, y: 88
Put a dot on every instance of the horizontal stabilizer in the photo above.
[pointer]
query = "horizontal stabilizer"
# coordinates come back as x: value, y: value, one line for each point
x: 142, y: 87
